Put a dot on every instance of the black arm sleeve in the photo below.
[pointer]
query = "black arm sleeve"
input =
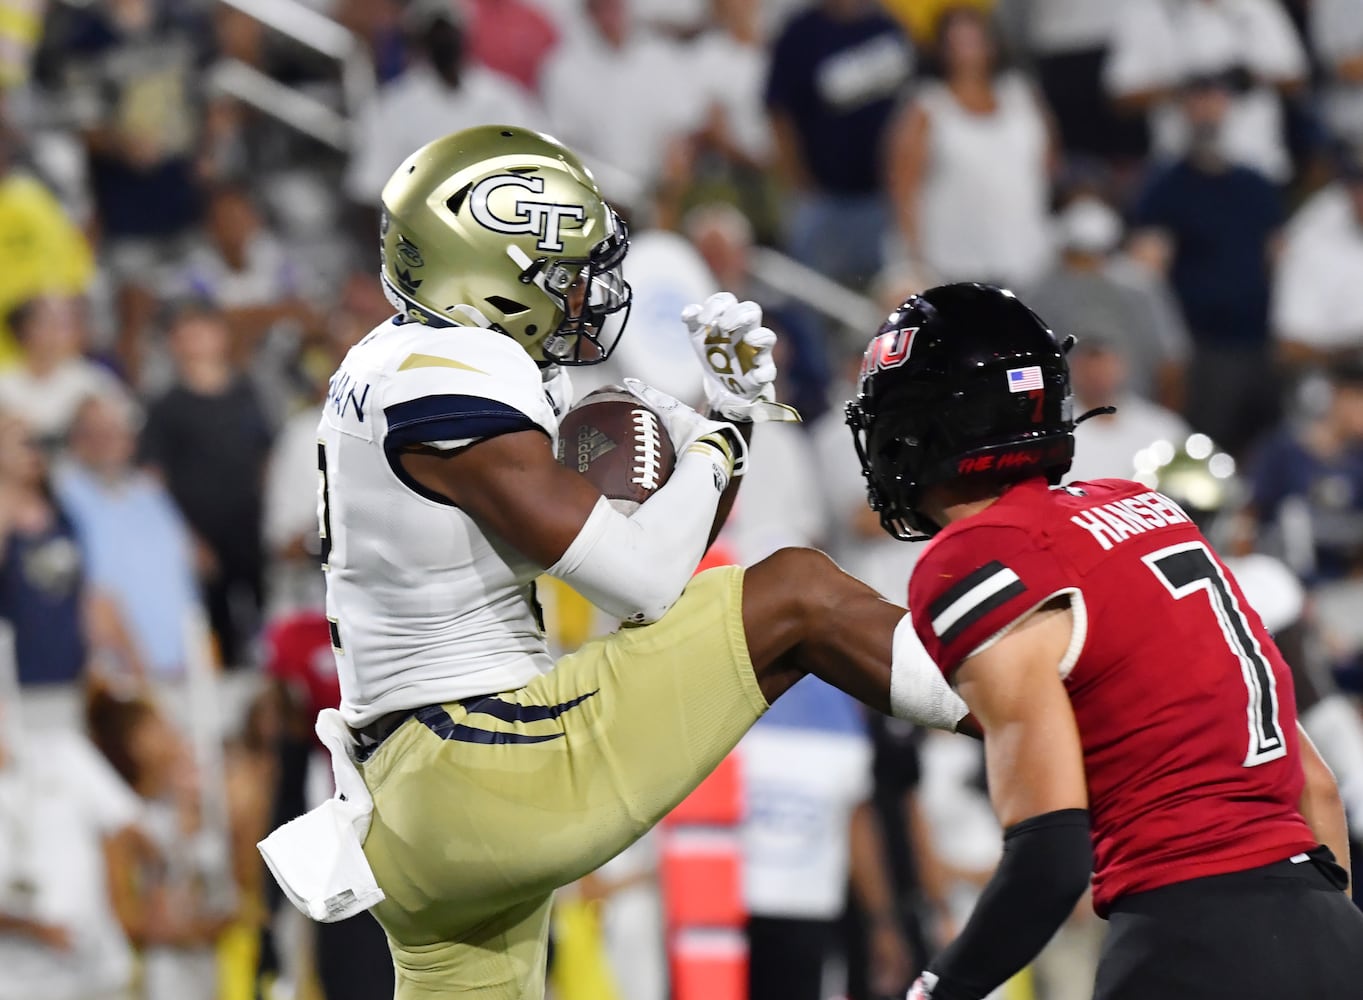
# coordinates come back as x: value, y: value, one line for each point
x: 1045, y: 869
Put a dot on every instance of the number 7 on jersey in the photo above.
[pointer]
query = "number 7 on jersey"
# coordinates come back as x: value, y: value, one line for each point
x: 1189, y: 568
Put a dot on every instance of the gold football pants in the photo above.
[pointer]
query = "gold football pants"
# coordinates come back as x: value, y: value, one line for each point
x: 483, y: 807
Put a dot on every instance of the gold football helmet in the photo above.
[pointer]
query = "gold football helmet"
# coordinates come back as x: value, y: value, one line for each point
x: 509, y: 222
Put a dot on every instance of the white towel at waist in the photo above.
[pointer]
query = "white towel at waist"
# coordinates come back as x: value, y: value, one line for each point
x: 318, y: 859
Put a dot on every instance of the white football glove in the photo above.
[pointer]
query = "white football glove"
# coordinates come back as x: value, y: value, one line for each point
x: 735, y: 352
x: 688, y: 429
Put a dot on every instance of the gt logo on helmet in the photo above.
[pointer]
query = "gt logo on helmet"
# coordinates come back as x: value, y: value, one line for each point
x: 889, y: 350
x: 545, y: 219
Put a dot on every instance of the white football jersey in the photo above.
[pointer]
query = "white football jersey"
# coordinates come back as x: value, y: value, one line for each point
x: 425, y: 606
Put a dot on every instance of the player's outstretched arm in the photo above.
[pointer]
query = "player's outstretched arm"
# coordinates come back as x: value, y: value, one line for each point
x: 631, y: 567
x: 1321, y: 805
x: 1036, y: 782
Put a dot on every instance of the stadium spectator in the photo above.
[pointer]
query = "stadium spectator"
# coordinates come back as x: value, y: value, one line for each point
x: 378, y: 24
x: 132, y: 74
x: 809, y: 828
x: 958, y: 836
x: 171, y: 902
x: 1212, y: 226
x: 41, y: 250
x: 1337, y: 36
x: 730, y: 61
x: 896, y: 773
x: 60, y: 625
x: 1105, y: 445
x: 134, y: 542
x: 665, y: 271
x: 644, y: 103
x: 961, y: 217
x: 1069, y: 40
x: 511, y: 37
x: 1306, y: 485
x: 1318, y: 294
x: 920, y: 17
x: 725, y: 238
x: 352, y: 958
x: 67, y: 834
x: 289, y: 521
x: 20, y: 31
x: 245, y: 270
x: 852, y: 531
x: 54, y: 377
x: 1093, y: 289
x: 208, y: 438
x: 782, y: 504
x: 442, y: 91
x: 837, y: 69
x: 1250, y: 46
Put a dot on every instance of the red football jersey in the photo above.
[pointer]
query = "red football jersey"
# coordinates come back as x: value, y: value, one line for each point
x: 1184, y: 704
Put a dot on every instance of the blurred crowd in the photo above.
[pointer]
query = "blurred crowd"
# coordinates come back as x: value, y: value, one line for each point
x: 187, y: 249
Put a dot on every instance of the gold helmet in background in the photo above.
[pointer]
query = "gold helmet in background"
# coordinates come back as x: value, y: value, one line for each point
x: 1195, y: 474
x: 509, y: 222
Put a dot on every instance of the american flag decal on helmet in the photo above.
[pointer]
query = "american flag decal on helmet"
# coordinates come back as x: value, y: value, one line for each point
x: 1024, y: 379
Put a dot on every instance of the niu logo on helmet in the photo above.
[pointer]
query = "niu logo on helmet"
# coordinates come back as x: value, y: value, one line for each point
x: 545, y: 219
x: 889, y: 350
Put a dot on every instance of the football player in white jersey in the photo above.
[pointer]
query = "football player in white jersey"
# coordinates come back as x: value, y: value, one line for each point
x: 497, y: 774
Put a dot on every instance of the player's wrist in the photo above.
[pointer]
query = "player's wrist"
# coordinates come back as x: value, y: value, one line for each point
x: 725, y: 448
x: 762, y: 407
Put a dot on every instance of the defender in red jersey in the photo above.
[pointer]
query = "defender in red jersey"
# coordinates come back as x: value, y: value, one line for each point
x: 1138, y: 717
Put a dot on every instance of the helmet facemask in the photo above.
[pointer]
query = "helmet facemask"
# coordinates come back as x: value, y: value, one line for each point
x: 888, y: 462
x: 593, y: 298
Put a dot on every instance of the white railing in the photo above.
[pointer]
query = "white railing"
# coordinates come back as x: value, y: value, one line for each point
x: 821, y: 293
x: 320, y: 33
x: 301, y: 112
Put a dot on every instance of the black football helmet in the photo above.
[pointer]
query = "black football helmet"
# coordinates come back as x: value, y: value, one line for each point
x: 960, y: 382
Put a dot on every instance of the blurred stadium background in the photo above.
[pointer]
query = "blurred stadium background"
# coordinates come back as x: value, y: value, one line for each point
x: 188, y: 211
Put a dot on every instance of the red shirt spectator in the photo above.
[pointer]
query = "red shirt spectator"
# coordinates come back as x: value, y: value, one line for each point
x: 512, y: 37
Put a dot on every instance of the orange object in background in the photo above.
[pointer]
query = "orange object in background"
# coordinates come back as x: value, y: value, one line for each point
x: 701, y: 874
x: 710, y: 965
x: 717, y: 801
x: 702, y: 879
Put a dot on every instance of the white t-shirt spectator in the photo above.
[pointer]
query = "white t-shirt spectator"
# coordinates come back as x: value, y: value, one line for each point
x: 619, y: 108
x: 806, y: 766
x: 1105, y: 447
x: 1158, y: 44
x: 977, y: 221
x: 1056, y: 26
x: 1318, y: 288
x: 733, y: 76
x: 667, y: 274
x: 290, y: 512
x: 56, y: 808
x: 958, y: 817
x: 781, y: 503
x: 418, y: 107
x: 49, y: 402
x: 877, y: 560
x: 1337, y: 36
x: 269, y: 277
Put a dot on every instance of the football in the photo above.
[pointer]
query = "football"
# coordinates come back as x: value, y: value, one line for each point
x: 619, y: 444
